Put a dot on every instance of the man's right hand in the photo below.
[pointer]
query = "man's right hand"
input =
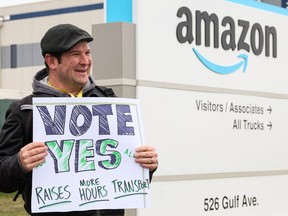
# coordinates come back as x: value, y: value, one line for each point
x: 32, y: 155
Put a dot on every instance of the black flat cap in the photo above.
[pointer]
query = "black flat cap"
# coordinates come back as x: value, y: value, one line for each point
x: 61, y: 38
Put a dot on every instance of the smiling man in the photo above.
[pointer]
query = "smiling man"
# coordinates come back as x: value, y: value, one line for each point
x: 68, y: 57
x: 68, y: 62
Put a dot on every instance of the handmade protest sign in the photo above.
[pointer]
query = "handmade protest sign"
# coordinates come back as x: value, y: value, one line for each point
x: 90, y: 165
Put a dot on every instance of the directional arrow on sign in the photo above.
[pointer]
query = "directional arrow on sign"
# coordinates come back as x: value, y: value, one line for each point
x: 270, y: 125
x: 269, y: 110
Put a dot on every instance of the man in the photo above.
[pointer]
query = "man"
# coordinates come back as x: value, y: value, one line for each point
x: 68, y: 64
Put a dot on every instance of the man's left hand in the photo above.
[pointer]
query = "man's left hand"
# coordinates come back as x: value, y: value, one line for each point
x: 147, y: 157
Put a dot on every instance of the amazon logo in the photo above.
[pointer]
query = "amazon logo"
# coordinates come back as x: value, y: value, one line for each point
x: 240, y: 35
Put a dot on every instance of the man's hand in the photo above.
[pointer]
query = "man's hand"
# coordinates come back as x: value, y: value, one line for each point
x: 32, y: 155
x: 147, y: 157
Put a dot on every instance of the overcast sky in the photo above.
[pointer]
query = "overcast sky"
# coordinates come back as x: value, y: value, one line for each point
x: 5, y: 3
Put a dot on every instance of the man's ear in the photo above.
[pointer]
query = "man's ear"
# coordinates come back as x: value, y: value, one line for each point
x: 51, y: 61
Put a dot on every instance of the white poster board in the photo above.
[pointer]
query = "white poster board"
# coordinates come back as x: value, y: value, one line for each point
x: 90, y: 165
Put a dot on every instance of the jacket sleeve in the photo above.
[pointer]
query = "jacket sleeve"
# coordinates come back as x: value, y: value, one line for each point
x: 11, y: 141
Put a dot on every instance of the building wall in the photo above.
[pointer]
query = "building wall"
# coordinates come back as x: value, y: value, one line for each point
x: 23, y: 28
x: 273, y: 2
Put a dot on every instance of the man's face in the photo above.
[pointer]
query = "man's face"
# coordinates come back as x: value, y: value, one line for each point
x: 74, y: 69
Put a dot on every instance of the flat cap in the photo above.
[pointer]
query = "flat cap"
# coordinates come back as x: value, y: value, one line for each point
x: 62, y: 37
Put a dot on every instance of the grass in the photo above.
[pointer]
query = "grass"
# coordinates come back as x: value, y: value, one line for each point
x: 10, y: 208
